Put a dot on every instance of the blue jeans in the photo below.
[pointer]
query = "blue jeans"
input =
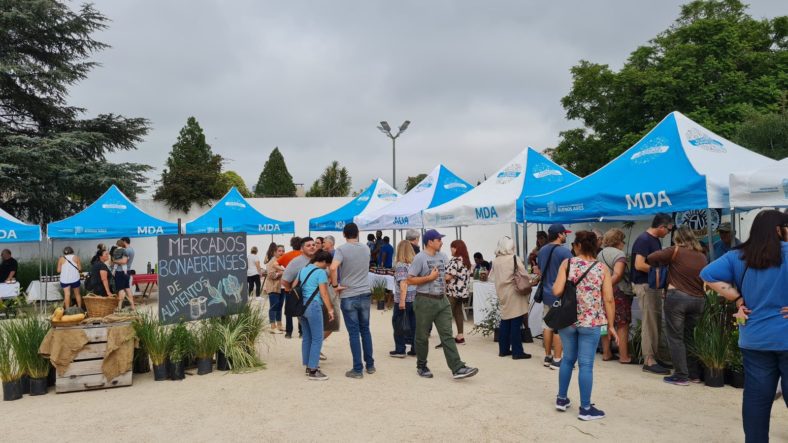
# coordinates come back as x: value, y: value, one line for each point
x: 510, y: 339
x: 276, y: 303
x: 762, y: 369
x: 312, y: 325
x: 401, y: 341
x: 579, y: 346
x: 355, y: 311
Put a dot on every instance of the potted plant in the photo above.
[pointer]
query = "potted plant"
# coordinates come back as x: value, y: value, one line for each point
x: 238, y: 338
x: 206, y: 343
x: 181, y: 346
x: 28, y: 333
x: 635, y: 344
x: 710, y: 341
x: 734, y: 372
x: 143, y: 324
x: 379, y: 293
x: 491, y: 322
x: 10, y: 372
x: 155, y: 338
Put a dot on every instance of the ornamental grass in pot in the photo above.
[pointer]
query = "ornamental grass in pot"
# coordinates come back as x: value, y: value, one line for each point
x: 239, y: 334
x: 10, y: 372
x: 734, y: 371
x: 206, y: 343
x: 711, y: 341
x: 26, y: 337
x: 154, y: 337
x: 181, y: 347
x: 379, y: 294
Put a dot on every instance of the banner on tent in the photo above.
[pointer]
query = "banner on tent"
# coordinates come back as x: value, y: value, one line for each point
x: 201, y: 275
x: 698, y: 221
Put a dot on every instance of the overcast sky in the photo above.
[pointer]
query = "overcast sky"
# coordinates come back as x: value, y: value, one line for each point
x: 480, y: 81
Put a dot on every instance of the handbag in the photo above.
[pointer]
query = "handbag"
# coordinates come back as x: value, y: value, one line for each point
x: 294, y: 307
x: 658, y: 275
x: 522, y: 283
x: 564, y: 311
x: 539, y: 296
x: 402, y: 327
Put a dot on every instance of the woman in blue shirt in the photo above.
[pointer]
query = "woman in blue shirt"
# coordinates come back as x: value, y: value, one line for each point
x: 759, y: 269
x: 314, y: 282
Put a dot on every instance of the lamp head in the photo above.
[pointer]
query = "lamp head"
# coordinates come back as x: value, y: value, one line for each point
x: 385, y: 125
x: 404, y: 126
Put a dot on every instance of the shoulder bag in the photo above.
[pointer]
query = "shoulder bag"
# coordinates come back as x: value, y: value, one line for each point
x: 539, y: 296
x: 522, y: 284
x: 564, y: 311
x: 658, y: 275
x: 294, y: 307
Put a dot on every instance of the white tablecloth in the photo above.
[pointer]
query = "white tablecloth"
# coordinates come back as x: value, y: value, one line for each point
x: 36, y: 291
x: 483, y: 294
x: 9, y: 290
x: 388, y: 279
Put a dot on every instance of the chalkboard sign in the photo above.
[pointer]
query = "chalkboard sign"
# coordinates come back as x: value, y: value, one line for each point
x: 201, y: 276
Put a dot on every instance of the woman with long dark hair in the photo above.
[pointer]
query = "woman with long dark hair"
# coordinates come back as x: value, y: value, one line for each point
x: 755, y: 275
x: 458, y: 277
x: 595, y: 305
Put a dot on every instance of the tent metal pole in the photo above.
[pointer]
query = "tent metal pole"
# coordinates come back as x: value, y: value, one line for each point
x: 525, y: 241
x: 220, y: 225
x: 517, y: 237
x: 733, y: 227
x: 708, y: 234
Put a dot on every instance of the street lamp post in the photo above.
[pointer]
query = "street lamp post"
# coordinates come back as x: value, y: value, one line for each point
x: 386, y: 130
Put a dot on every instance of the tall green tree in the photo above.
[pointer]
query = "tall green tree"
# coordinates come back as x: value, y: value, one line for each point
x: 193, y: 173
x: 52, y: 159
x: 765, y: 133
x: 714, y: 64
x: 275, y: 180
x: 230, y: 179
x: 334, y: 182
x: 412, y: 181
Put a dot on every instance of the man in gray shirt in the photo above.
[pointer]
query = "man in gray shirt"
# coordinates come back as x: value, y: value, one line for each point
x: 290, y: 275
x: 427, y: 272
x: 351, y: 261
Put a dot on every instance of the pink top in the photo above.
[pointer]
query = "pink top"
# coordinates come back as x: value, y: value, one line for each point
x: 590, y: 307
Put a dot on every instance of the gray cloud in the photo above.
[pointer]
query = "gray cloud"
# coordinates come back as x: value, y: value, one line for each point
x: 479, y: 80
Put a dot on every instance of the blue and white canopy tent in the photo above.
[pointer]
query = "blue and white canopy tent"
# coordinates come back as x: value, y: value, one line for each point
x: 237, y: 215
x: 678, y: 166
x: 13, y: 230
x: 440, y: 186
x: 377, y: 196
x: 499, y: 199
x: 113, y: 215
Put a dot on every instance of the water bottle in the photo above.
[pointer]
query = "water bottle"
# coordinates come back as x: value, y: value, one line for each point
x: 150, y: 269
x: 156, y: 268
x: 603, y: 330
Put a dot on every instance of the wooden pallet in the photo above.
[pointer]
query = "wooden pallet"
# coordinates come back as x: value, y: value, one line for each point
x: 84, y: 373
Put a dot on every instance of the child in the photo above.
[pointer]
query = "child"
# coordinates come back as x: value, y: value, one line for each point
x: 120, y: 269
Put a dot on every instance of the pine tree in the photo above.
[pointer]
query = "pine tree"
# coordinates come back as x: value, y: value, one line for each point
x: 193, y: 173
x: 275, y: 180
x: 334, y: 182
x: 52, y: 161
x: 412, y: 181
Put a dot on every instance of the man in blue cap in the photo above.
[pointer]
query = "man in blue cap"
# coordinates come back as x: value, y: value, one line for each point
x: 549, y: 260
x: 427, y: 273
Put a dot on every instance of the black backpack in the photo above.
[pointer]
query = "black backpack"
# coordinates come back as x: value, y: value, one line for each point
x: 294, y: 307
x: 564, y: 311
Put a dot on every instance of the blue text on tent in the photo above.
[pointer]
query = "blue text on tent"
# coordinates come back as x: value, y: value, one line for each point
x: 7, y: 235
x: 400, y: 220
x: 149, y: 230
x: 486, y: 212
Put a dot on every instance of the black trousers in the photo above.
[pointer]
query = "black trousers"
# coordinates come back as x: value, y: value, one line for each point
x: 254, y: 281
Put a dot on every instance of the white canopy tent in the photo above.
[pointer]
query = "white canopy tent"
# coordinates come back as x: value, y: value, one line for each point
x: 763, y: 187
x: 499, y: 199
x: 440, y: 186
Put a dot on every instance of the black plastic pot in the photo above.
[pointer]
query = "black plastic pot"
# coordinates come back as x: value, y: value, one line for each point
x: 204, y: 365
x: 496, y: 334
x: 141, y: 362
x: 12, y: 390
x: 714, y: 377
x: 25, y: 384
x: 381, y: 305
x: 734, y: 378
x: 38, y: 386
x: 177, y: 370
x: 52, y: 378
x: 221, y: 362
x: 160, y: 372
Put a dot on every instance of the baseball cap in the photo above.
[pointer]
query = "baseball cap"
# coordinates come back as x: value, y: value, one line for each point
x: 557, y: 228
x: 725, y: 227
x: 431, y: 234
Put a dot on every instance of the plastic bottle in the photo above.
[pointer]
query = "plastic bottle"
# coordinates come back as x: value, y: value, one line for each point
x: 149, y: 268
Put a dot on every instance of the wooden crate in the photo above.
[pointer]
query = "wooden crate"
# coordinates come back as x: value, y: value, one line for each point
x: 84, y: 373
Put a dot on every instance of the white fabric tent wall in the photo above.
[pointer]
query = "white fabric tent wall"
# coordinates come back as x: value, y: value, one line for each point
x: 765, y: 187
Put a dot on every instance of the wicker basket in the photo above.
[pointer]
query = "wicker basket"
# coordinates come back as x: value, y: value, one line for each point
x: 98, y: 306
